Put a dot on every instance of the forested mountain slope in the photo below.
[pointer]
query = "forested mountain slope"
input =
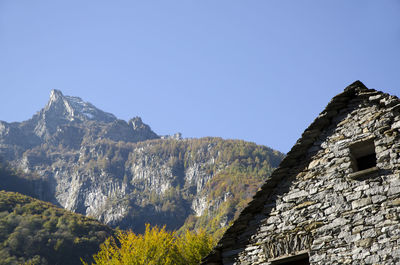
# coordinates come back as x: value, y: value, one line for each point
x: 125, y: 175
x: 37, y: 232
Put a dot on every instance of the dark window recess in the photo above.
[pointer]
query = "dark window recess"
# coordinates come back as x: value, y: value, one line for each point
x: 294, y: 260
x: 297, y: 262
x: 363, y: 155
x: 365, y: 162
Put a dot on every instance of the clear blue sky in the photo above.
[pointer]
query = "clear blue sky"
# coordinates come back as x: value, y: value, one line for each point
x: 256, y: 70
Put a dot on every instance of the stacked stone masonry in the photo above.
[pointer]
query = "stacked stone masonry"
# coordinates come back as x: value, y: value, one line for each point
x: 311, y: 205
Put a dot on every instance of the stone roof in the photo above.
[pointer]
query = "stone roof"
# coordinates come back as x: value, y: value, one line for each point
x: 298, y: 153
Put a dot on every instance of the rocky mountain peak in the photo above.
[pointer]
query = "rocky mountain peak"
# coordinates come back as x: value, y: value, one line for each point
x: 67, y: 120
x: 90, y: 162
x: 63, y: 110
x: 72, y: 108
x: 55, y: 94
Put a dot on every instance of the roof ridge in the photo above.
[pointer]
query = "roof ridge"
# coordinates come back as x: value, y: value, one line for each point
x: 356, y: 85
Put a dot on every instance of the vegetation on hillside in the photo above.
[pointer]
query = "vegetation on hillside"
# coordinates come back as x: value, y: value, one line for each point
x: 238, y: 170
x: 228, y: 173
x: 36, y: 232
x: 155, y: 247
x: 181, y: 185
x: 232, y: 171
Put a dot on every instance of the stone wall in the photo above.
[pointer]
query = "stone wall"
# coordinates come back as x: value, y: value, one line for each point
x: 316, y: 208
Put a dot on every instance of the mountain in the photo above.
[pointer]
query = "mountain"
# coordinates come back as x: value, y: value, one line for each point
x: 123, y: 174
x: 36, y: 232
x: 68, y: 121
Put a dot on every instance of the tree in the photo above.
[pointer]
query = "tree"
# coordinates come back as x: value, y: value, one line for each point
x: 155, y: 247
x: 194, y: 246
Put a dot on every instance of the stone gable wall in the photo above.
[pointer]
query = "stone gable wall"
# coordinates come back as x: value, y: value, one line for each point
x: 318, y: 209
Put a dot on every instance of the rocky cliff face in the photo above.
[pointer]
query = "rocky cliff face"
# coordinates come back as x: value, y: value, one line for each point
x: 68, y: 121
x: 123, y: 174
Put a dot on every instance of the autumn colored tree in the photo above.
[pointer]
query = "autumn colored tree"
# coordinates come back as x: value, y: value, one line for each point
x: 155, y: 247
x: 193, y: 246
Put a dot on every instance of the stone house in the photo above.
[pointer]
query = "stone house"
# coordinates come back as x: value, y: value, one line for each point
x: 335, y: 198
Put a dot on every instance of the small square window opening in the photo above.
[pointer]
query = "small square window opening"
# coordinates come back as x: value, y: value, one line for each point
x: 363, y: 155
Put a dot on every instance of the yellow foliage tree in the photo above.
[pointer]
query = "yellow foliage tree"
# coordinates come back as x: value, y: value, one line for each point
x: 155, y: 247
x: 194, y: 246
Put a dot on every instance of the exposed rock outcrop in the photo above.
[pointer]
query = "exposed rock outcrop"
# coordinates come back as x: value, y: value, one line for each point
x: 123, y: 174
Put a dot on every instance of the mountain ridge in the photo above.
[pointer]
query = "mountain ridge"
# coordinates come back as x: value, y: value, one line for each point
x: 72, y: 116
x: 124, y: 174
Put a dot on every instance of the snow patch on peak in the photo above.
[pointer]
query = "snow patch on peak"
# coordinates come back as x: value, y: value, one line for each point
x: 87, y: 110
x: 70, y: 108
